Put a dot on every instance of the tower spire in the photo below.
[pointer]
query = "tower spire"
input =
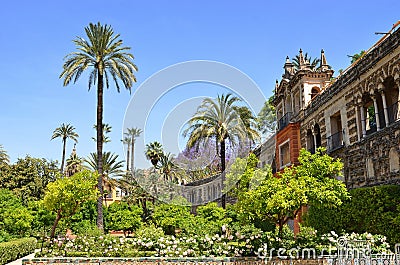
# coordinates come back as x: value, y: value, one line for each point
x: 323, y: 62
x: 289, y: 69
x: 301, y: 59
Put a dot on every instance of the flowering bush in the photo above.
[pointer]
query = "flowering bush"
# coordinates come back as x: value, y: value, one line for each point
x: 229, y: 243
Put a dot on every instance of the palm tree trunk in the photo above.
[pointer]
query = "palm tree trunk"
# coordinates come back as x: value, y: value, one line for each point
x: 127, y: 159
x: 223, y: 198
x: 99, y: 124
x: 63, y: 154
x: 133, y: 155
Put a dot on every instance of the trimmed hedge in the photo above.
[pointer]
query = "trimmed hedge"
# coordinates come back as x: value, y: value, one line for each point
x: 374, y: 209
x: 15, y: 249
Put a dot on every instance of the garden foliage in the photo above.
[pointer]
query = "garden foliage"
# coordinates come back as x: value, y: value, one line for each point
x: 16, y: 249
x: 374, y: 209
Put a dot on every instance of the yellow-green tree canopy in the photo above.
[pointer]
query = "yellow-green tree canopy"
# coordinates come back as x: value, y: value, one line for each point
x: 65, y: 195
x: 279, y: 198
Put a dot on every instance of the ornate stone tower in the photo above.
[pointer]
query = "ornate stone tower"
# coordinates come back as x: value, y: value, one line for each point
x: 302, y: 81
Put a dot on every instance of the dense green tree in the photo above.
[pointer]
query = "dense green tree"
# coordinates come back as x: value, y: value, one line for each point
x: 171, y: 217
x: 244, y: 175
x: 132, y: 133
x: 216, y: 119
x: 210, y: 219
x: 154, y: 151
x: 135, y: 192
x: 65, y: 196
x: 121, y: 216
x: 279, y: 199
x: 107, y: 58
x: 15, y: 219
x: 64, y: 132
x: 266, y: 118
x: 374, y: 210
x: 28, y: 177
x: 4, y: 158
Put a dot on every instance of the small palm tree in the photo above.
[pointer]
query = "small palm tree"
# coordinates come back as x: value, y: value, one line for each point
x: 133, y: 133
x: 313, y: 62
x: 217, y: 119
x: 108, y: 59
x: 4, y: 158
x: 167, y: 167
x: 111, y: 165
x: 106, y: 129
x: 64, y: 132
x: 154, y: 151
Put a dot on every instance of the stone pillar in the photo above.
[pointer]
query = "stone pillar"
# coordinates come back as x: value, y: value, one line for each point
x: 358, y: 123
x: 292, y: 102
x: 397, y: 81
x: 385, y: 108
x: 364, y: 131
x: 315, y: 140
x: 378, y: 126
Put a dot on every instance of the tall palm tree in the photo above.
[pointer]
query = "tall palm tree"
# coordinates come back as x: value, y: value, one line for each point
x: 154, y: 151
x: 133, y: 133
x: 127, y: 140
x: 64, y: 132
x: 4, y: 158
x: 104, y: 54
x: 106, y: 129
x: 216, y: 119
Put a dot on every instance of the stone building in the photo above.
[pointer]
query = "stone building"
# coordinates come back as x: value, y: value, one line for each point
x: 355, y: 116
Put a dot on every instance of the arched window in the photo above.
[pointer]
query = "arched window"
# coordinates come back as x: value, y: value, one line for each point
x: 317, y: 133
x: 314, y: 92
x: 310, y: 142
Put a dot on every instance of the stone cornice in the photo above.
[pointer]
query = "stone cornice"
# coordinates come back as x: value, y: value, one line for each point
x: 362, y: 66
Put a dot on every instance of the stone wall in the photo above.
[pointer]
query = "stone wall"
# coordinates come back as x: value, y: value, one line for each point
x: 371, y: 159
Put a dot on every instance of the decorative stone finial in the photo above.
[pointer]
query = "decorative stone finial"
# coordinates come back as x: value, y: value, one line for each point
x: 301, y: 59
x: 323, y: 62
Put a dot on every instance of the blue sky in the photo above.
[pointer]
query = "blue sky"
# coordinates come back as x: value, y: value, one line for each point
x: 253, y: 36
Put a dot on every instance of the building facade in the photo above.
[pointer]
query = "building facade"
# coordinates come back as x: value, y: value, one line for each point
x: 356, y: 115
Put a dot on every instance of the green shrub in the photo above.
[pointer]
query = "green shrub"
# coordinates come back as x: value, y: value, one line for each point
x: 16, y: 249
x: 150, y: 231
x: 121, y: 216
x: 374, y: 209
x: 172, y: 218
